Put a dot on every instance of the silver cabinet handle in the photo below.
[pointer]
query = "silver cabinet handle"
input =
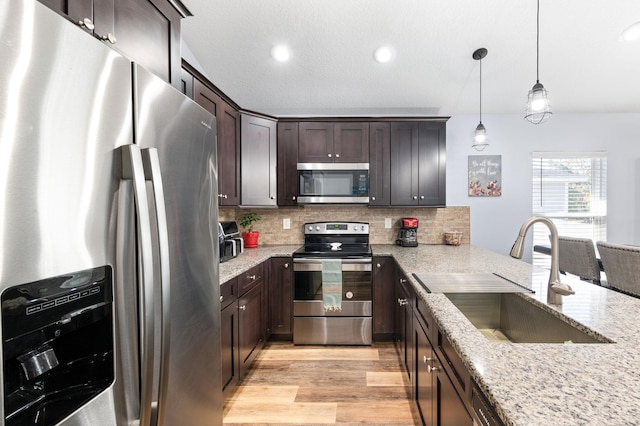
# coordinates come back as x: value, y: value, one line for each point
x: 422, y: 197
x: 222, y: 196
x: 109, y: 37
x: 432, y: 369
x: 87, y: 23
x: 243, y: 307
x: 151, y: 164
x: 337, y: 155
x: 402, y: 302
x: 251, y: 277
x: 415, y: 197
x: 402, y: 280
x: 221, y: 298
x: 329, y: 155
x: 373, y: 198
x: 378, y: 265
x: 293, y: 198
x: 272, y: 197
x: 286, y: 266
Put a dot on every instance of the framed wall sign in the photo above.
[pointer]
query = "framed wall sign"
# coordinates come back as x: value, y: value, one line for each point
x: 485, y: 175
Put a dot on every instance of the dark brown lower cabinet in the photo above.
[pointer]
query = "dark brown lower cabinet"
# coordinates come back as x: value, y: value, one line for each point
x: 384, y: 283
x: 251, y: 320
x: 280, y: 298
x: 404, y: 324
x: 229, y: 336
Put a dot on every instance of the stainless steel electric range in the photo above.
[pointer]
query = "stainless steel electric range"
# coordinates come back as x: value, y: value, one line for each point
x: 351, y: 324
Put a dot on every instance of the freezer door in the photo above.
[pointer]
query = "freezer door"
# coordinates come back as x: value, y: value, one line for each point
x: 183, y: 134
x: 65, y: 105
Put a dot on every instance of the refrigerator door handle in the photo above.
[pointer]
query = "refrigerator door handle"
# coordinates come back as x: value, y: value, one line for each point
x: 133, y: 169
x: 152, y: 173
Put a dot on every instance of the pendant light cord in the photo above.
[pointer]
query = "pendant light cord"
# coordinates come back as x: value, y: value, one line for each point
x: 537, y: 44
x: 480, y: 90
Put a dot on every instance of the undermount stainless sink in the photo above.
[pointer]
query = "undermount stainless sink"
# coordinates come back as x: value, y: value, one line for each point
x: 510, y: 317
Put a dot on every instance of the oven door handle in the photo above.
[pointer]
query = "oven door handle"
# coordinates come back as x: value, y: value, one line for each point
x: 311, y: 264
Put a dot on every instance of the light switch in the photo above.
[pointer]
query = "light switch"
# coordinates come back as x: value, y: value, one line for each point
x: 286, y: 223
x: 387, y: 222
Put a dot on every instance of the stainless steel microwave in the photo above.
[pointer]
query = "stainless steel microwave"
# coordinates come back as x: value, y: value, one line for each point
x: 333, y: 183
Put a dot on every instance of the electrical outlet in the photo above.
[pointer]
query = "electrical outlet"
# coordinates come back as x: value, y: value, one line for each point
x: 286, y: 223
x: 387, y: 222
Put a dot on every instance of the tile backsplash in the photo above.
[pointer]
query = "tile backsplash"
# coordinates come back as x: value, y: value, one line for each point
x: 433, y: 222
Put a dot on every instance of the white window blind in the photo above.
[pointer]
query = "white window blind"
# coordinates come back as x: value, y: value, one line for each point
x: 570, y: 188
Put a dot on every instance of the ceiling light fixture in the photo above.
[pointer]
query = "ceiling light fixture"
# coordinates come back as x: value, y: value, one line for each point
x: 382, y: 54
x: 480, y: 138
x: 280, y: 53
x: 538, y: 108
x: 631, y: 33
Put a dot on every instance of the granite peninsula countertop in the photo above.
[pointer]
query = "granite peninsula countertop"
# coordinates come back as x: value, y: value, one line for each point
x: 530, y: 383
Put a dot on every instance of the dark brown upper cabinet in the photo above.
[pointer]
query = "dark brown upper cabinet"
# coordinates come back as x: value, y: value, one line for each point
x: 146, y: 31
x: 342, y: 142
x: 379, y: 164
x: 286, y: 164
x: 418, y: 163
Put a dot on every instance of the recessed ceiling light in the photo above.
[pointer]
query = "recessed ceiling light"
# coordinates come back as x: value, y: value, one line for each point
x: 632, y: 33
x: 382, y: 54
x: 280, y: 53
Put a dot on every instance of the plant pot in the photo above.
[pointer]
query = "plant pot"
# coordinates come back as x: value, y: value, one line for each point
x: 250, y: 239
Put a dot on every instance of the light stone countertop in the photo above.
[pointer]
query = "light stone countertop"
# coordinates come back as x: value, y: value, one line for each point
x: 532, y: 383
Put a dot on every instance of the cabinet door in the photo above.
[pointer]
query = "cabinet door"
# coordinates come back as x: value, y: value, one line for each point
x: 251, y: 316
x: 351, y: 142
x: 404, y: 163
x: 82, y: 12
x: 148, y: 32
x: 280, y: 296
x: 425, y: 384
x: 379, y: 164
x: 449, y: 409
x: 228, y: 123
x: 432, y: 164
x: 229, y: 344
x: 258, y: 161
x: 404, y: 325
x: 315, y: 143
x: 384, y: 275
x: 186, y: 83
x: 287, y: 161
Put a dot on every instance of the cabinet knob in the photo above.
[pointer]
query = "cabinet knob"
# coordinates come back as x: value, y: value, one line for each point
x: 402, y: 302
x: 431, y: 369
x: 251, y: 277
x: 373, y: 198
x: 337, y: 155
x: 221, y: 298
x: 86, y: 23
x: 415, y: 197
x: 109, y: 37
x: 378, y: 265
x: 422, y: 197
x: 272, y: 197
x: 329, y: 155
x: 293, y: 198
x: 402, y: 280
x: 286, y: 265
x: 243, y: 307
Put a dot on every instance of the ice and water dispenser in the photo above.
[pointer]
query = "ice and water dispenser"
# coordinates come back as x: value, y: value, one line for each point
x: 57, y: 345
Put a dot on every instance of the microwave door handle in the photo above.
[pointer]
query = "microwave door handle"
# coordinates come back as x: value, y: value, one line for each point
x: 133, y: 170
x: 153, y: 173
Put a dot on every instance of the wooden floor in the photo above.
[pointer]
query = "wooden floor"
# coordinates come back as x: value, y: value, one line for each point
x: 320, y: 385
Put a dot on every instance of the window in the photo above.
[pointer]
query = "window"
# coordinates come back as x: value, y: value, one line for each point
x: 570, y: 188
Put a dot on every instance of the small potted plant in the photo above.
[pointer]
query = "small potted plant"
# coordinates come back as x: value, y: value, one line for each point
x: 250, y: 236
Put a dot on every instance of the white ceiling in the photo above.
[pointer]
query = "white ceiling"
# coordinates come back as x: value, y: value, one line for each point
x: 332, y: 71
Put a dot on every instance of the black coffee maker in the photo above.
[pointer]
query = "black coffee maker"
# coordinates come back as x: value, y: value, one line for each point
x: 408, y: 234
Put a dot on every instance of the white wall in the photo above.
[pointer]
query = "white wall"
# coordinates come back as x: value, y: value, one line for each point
x: 495, y: 221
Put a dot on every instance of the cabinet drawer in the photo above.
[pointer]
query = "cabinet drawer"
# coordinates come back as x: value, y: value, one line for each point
x: 454, y: 366
x: 228, y: 292
x: 249, y: 278
x: 425, y: 318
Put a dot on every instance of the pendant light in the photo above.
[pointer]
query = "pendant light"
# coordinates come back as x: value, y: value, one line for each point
x: 480, y: 137
x: 538, y: 108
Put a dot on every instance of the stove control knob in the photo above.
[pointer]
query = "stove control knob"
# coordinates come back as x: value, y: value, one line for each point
x: 317, y: 228
x: 311, y: 228
x: 362, y: 228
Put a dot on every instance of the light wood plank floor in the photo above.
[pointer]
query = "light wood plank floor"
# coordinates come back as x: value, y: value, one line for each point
x: 320, y: 385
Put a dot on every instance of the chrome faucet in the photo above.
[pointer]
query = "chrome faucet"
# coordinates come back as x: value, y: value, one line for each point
x: 556, y: 289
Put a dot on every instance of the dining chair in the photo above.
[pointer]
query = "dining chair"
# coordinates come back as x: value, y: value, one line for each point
x: 621, y: 266
x: 577, y: 256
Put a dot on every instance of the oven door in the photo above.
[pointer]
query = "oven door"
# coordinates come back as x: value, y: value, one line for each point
x: 356, y: 287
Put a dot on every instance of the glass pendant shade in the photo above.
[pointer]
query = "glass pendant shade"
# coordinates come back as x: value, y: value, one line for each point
x: 538, y: 108
x: 480, y: 141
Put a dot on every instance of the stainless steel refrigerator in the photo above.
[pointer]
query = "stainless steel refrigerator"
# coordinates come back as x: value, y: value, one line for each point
x: 108, y: 235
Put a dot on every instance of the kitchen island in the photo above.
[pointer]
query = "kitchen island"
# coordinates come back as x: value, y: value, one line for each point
x: 527, y: 383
